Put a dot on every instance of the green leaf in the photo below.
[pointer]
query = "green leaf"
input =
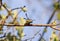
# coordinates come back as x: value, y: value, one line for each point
x: 55, y: 39
x: 45, y: 30
x: 58, y: 16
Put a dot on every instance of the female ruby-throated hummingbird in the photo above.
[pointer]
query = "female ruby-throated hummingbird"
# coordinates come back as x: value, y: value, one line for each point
x: 28, y: 21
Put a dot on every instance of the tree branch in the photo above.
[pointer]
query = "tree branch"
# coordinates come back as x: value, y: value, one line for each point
x: 39, y: 25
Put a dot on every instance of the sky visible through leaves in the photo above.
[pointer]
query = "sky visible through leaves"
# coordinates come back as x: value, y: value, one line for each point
x: 37, y: 10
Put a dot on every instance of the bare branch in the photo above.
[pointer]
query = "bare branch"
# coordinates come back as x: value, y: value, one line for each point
x: 16, y: 8
x: 39, y: 25
x: 9, y: 13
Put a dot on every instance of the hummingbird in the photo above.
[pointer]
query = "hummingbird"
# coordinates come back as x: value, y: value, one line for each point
x: 28, y: 21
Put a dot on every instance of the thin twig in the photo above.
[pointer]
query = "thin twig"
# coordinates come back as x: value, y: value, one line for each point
x: 9, y: 13
x: 33, y: 36
x: 47, y: 26
x: 16, y: 8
